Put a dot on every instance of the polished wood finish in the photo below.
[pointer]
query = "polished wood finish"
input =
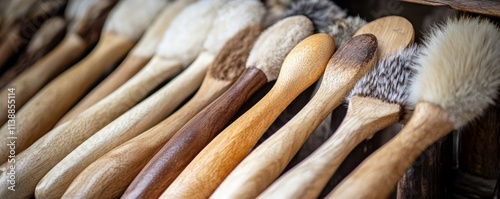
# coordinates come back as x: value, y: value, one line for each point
x: 129, y: 67
x: 301, y: 68
x: 384, y: 168
x: 43, y: 111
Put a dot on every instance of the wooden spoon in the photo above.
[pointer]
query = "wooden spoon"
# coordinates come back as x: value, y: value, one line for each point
x: 263, y: 65
x: 84, y: 33
x: 301, y: 68
x: 118, y: 167
x: 159, y: 105
x: 44, y: 40
x: 308, y: 179
x: 138, y: 57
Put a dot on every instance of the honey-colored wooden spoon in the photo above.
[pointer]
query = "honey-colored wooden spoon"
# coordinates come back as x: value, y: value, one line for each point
x: 263, y: 65
x: 301, y: 68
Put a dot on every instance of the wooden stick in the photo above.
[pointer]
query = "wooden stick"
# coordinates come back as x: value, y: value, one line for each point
x: 136, y: 60
x: 428, y: 124
x: 122, y: 164
x: 42, y: 112
x: 46, y: 39
x: 302, y: 67
x: 135, y: 121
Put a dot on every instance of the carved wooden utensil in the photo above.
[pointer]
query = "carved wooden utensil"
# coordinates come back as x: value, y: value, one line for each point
x: 168, y: 62
x: 454, y: 83
x: 44, y: 40
x: 122, y: 29
x: 121, y: 165
x: 263, y: 65
x: 301, y: 68
x: 83, y: 34
x: 231, y: 18
x: 138, y: 57
x: 309, y: 177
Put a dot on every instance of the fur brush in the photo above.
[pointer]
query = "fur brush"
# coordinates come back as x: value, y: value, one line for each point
x: 132, y: 17
x: 343, y: 29
x: 323, y: 13
x: 270, y: 63
x: 457, y: 78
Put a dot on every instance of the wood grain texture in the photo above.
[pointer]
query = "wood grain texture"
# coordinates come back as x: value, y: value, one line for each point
x: 46, y: 39
x: 264, y: 164
x: 228, y: 66
x: 133, y: 122
x: 129, y: 67
x: 301, y: 68
x: 46, y: 152
x: 162, y: 170
x: 365, y: 116
x: 120, y: 166
x: 384, y: 168
x: 41, y: 113
x: 32, y: 80
x: 485, y: 7
x: 397, y: 32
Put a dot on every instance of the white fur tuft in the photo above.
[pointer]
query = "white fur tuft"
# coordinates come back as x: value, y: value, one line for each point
x: 389, y: 80
x: 275, y: 43
x: 76, y: 9
x: 148, y: 43
x: 130, y: 18
x: 459, y: 68
x: 343, y: 29
x: 184, y: 39
x: 231, y: 18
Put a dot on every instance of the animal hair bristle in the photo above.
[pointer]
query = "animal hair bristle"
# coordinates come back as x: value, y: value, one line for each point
x: 323, y: 13
x: 230, y: 62
x: 389, y: 79
x: 343, y: 29
x: 131, y: 18
x: 231, y: 18
x: 183, y: 40
x: 459, y: 68
x: 276, y: 42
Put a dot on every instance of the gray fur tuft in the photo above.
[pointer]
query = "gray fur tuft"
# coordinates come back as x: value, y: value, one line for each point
x: 343, y: 29
x: 459, y: 69
x: 389, y: 80
x: 323, y: 13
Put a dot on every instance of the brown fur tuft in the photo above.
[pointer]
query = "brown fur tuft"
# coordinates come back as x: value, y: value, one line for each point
x: 230, y: 62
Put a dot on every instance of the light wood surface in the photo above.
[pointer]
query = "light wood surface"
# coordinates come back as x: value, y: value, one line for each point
x: 265, y: 163
x: 130, y: 66
x: 121, y: 165
x: 133, y: 122
x: 377, y: 176
x: 189, y: 140
x: 301, y: 68
x: 365, y: 116
x: 33, y: 79
x: 397, y: 33
x: 43, y: 111
x: 46, y: 152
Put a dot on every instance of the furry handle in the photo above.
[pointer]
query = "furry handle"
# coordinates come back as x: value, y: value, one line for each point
x: 379, y: 173
x: 301, y: 68
x: 364, y: 117
x: 168, y: 163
